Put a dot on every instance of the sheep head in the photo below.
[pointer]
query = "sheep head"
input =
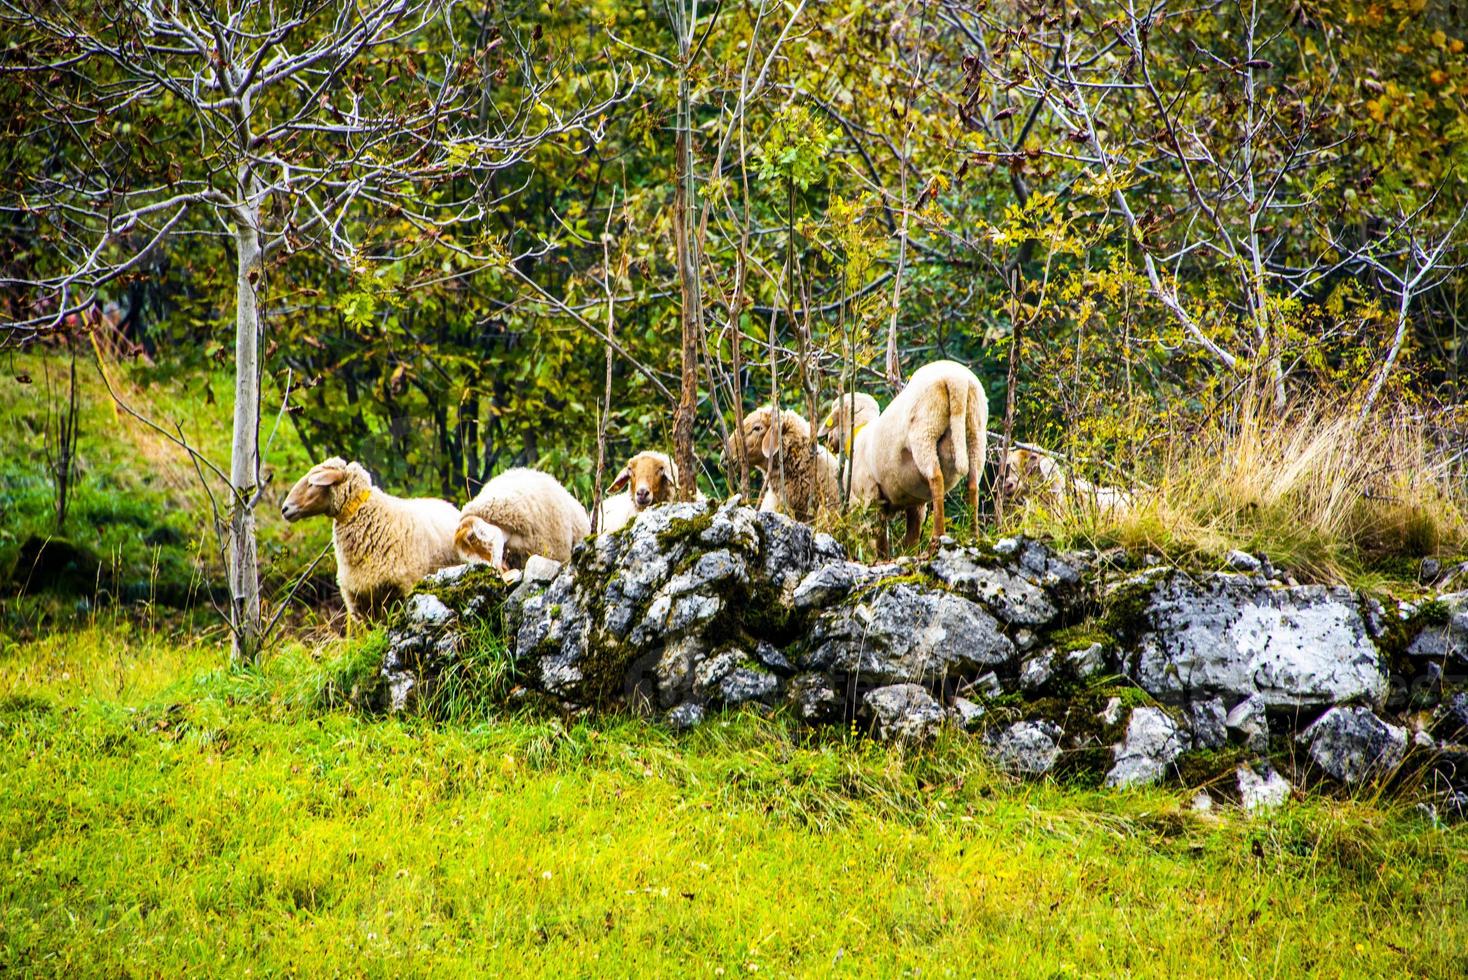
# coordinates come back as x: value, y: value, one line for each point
x: 652, y: 478
x: 760, y: 443
x: 1025, y: 467
x: 844, y: 416
x: 479, y: 542
x: 325, y: 489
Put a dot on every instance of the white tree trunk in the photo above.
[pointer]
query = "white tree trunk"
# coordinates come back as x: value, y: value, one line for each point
x: 244, y: 577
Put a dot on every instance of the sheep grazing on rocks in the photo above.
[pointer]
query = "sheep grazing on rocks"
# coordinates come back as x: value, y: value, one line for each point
x: 1027, y: 472
x: 648, y: 478
x: 795, y: 483
x: 521, y: 512
x: 384, y: 544
x: 906, y: 457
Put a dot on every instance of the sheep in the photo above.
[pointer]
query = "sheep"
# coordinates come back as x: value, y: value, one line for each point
x: 384, y: 544
x: 906, y: 457
x: 521, y: 512
x: 795, y: 484
x: 1028, y: 471
x: 653, y: 479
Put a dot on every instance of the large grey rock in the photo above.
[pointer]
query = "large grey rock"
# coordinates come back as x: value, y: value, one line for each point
x: 428, y: 610
x: 1352, y: 744
x: 1009, y: 595
x: 1447, y: 640
x: 966, y: 714
x: 1026, y: 748
x: 907, y: 633
x: 791, y: 549
x: 814, y: 698
x: 904, y: 712
x: 731, y: 677
x: 1236, y: 636
x: 1152, y: 743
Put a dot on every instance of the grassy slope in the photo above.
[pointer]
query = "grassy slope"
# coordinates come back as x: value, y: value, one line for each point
x: 137, y: 503
x: 161, y: 813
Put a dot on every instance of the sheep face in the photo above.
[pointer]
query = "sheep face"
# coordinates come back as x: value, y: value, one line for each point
x: 479, y: 542
x: 1024, y: 468
x: 844, y: 416
x: 760, y: 443
x: 650, y: 478
x: 319, y: 491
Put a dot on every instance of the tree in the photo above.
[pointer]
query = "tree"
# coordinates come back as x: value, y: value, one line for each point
x: 274, y: 128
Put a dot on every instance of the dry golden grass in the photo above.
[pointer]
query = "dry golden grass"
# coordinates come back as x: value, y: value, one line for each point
x: 1321, y: 491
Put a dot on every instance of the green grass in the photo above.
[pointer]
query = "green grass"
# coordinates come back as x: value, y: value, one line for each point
x: 164, y: 815
x: 137, y: 504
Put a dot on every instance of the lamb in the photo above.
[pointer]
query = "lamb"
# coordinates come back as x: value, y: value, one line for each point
x: 521, y: 512
x: 1028, y: 471
x: 653, y: 479
x: 384, y: 544
x: 906, y: 457
x: 794, y: 483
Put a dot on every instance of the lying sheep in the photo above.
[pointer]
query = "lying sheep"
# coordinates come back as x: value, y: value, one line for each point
x: 795, y: 484
x: 521, y: 512
x: 650, y: 478
x: 384, y: 544
x: 1029, y: 472
x: 906, y: 457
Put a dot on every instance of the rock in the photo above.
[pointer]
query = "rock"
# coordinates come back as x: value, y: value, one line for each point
x: 731, y: 678
x: 906, y: 633
x: 1202, y: 802
x: 1251, y: 723
x: 1446, y: 639
x: 1450, y: 720
x: 427, y: 609
x: 685, y: 716
x: 1111, y: 714
x: 987, y: 685
x: 1352, y: 744
x: 1036, y: 672
x: 1027, y: 748
x: 1261, y: 788
x: 1025, y: 640
x: 446, y: 576
x: 966, y: 714
x: 814, y: 698
x: 1012, y: 597
x: 832, y: 582
x: 792, y: 549
x: 904, y: 712
x: 1234, y: 636
x: 769, y: 655
x: 1422, y: 740
x: 1429, y: 571
x: 1242, y: 561
x: 1087, y: 662
x: 1207, y: 721
x: 674, y: 671
x: 540, y: 569
x: 1153, y: 742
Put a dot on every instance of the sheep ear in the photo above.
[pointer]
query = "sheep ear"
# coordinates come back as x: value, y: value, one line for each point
x: 482, y: 540
x: 769, y: 444
x: 326, y: 477
x: 621, y: 480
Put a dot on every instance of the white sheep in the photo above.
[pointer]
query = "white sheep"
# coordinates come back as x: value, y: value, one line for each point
x: 1029, y: 472
x: 521, y: 512
x: 907, y: 456
x: 649, y: 478
x: 384, y: 544
x: 796, y: 483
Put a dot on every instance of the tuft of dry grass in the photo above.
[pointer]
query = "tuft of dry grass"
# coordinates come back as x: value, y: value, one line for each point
x: 1320, y: 490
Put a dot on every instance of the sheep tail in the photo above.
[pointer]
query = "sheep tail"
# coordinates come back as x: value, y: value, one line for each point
x: 958, y: 396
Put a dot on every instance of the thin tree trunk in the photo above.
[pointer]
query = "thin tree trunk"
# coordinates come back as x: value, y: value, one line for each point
x: 244, y: 576
x: 688, y: 272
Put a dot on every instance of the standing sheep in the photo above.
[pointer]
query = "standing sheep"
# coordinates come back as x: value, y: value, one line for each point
x: 795, y: 483
x: 906, y: 457
x: 650, y: 478
x: 521, y: 512
x: 384, y: 544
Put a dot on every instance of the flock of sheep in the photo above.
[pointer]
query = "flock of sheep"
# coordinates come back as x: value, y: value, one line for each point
x: 902, y: 459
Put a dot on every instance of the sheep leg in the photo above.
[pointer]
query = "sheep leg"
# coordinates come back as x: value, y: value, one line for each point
x: 884, y: 546
x: 935, y: 487
x: 915, y: 517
